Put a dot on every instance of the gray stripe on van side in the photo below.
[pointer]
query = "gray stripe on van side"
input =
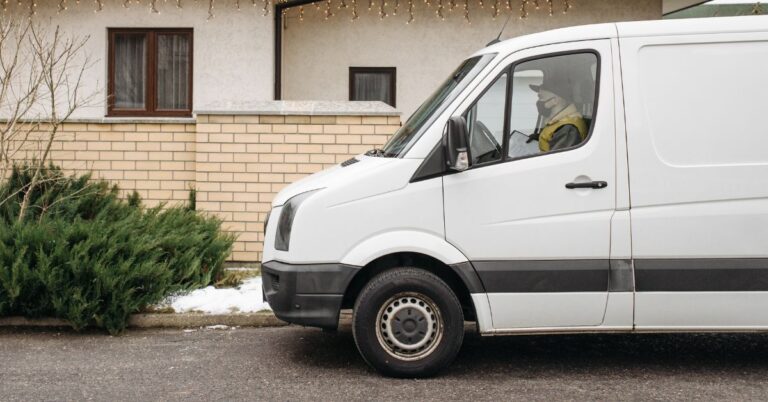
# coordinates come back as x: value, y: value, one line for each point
x: 642, y: 275
x: 523, y: 276
x: 622, y: 277
x: 701, y: 275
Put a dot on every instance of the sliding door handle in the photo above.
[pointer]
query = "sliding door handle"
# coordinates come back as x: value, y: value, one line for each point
x: 589, y: 184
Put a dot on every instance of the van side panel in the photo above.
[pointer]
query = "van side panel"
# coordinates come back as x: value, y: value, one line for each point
x: 698, y: 167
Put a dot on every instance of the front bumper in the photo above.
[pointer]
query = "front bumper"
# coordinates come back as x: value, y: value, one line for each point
x: 307, y: 294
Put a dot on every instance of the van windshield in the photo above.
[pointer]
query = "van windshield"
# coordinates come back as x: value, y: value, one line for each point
x: 434, y: 105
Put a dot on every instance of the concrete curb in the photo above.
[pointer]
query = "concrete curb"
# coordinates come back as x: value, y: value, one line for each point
x: 32, y: 322
x: 188, y: 320
x: 183, y: 320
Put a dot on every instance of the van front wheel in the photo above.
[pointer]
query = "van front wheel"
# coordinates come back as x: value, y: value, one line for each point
x: 407, y: 322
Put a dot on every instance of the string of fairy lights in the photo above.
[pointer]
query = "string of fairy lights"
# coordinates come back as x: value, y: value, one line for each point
x: 327, y: 7
x: 385, y: 9
x: 152, y: 5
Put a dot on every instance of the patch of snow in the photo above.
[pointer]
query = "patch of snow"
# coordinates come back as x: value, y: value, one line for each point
x: 218, y: 327
x: 247, y: 298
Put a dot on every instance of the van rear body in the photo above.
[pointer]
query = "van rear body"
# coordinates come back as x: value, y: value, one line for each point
x: 609, y: 177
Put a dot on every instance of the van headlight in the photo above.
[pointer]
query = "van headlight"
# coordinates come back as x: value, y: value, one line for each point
x: 285, y: 222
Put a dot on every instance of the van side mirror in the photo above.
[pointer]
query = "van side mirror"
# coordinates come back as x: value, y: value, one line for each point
x: 456, y: 144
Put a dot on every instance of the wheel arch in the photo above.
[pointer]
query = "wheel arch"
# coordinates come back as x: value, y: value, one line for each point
x: 399, y: 241
x: 460, y: 277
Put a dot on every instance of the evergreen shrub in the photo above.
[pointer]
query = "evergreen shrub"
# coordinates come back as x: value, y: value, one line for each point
x: 83, y: 254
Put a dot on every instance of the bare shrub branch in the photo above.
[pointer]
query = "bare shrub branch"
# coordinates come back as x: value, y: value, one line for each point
x: 41, y: 79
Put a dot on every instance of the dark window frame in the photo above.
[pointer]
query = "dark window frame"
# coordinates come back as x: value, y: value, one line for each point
x: 150, y: 106
x: 507, y: 112
x: 510, y: 70
x: 391, y: 71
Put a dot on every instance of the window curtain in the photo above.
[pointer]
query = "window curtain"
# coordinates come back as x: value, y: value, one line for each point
x: 372, y: 87
x: 173, y: 61
x: 130, y: 71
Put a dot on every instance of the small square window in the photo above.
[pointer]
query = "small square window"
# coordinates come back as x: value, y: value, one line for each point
x: 372, y: 84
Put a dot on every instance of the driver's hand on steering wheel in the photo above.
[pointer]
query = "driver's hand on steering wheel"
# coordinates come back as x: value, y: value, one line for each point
x: 531, y: 138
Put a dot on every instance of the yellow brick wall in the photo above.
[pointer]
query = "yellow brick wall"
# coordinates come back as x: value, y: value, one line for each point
x: 237, y: 163
x: 156, y: 160
x: 243, y: 161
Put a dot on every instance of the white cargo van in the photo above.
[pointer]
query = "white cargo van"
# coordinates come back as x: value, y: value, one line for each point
x: 600, y: 178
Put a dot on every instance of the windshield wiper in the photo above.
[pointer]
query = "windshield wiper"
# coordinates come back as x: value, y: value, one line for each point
x: 376, y: 152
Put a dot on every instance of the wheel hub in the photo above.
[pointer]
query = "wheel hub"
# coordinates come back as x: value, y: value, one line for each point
x: 409, y: 326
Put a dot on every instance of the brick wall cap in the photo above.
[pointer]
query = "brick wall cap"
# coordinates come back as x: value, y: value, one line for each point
x: 120, y: 120
x: 307, y: 108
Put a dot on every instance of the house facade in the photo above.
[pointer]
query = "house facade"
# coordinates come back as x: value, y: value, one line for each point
x: 318, y: 53
x: 225, y: 54
x: 218, y: 96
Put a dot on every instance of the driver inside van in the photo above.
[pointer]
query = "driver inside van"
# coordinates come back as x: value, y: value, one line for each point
x: 564, y: 126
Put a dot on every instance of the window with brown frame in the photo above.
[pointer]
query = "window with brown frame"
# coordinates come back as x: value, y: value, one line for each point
x: 372, y: 84
x: 150, y: 72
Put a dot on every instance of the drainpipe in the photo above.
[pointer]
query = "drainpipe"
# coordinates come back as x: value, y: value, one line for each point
x: 279, y: 7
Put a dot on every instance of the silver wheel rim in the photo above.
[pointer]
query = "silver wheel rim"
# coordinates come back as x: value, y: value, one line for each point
x: 409, y: 326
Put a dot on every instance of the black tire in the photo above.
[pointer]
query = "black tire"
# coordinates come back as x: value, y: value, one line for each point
x: 413, y: 293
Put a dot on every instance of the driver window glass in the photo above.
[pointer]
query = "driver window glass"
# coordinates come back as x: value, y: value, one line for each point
x: 552, y: 104
x: 485, y: 123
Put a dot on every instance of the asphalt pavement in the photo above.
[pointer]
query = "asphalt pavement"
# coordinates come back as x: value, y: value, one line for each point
x: 293, y: 363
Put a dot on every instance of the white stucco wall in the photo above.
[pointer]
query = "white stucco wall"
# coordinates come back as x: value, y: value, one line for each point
x: 317, y: 53
x: 233, y: 52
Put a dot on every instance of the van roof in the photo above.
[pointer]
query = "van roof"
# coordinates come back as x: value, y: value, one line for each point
x: 690, y: 26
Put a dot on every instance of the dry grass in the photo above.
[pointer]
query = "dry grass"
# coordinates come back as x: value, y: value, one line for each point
x: 234, y: 278
x: 158, y: 310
